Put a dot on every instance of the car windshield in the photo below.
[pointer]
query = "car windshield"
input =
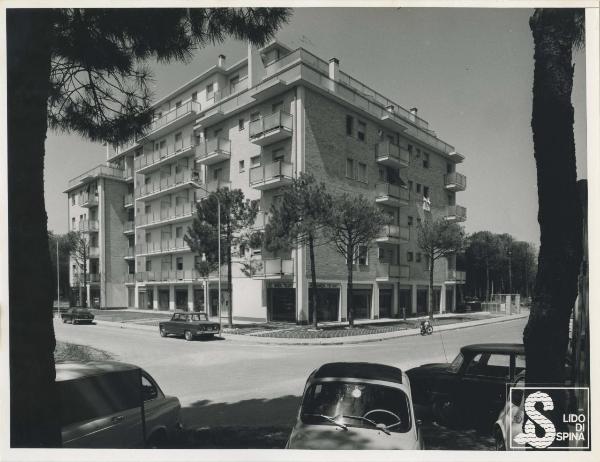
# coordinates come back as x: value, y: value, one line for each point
x: 354, y: 404
x: 197, y: 317
x: 455, y: 366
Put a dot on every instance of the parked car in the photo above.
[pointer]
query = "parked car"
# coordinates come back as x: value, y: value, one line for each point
x: 108, y: 404
x: 471, y: 390
x: 356, y: 406
x: 510, y: 420
x: 77, y: 315
x: 469, y: 304
x: 189, y: 325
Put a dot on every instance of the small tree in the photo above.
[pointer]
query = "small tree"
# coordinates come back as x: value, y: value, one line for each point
x: 237, y: 215
x: 438, y: 238
x: 80, y: 253
x: 299, y: 219
x: 354, y: 221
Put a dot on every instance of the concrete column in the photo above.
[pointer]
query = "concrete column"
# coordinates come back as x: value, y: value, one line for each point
x: 155, y: 297
x: 301, y: 286
x: 190, y: 297
x: 395, y: 300
x: 443, y: 299
x: 264, y: 298
x: 343, y: 301
x: 171, y: 297
x: 88, y: 293
x: 508, y: 304
x: 375, y: 302
x: 454, y: 297
x: 518, y: 303
x: 413, y: 305
x: 206, y: 297
x: 136, y: 297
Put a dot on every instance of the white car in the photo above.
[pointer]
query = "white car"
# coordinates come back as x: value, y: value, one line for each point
x: 510, y: 420
x: 108, y: 404
x: 356, y: 406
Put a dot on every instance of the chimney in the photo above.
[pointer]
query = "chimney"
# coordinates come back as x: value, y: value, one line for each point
x: 413, y: 112
x: 221, y: 62
x: 334, y: 68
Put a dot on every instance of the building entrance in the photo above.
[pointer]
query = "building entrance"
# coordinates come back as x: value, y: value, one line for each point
x: 328, y: 305
x: 281, y: 304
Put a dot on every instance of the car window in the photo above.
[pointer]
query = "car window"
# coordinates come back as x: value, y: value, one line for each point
x: 149, y: 390
x: 176, y: 317
x: 458, y: 361
x: 475, y: 365
x: 494, y: 365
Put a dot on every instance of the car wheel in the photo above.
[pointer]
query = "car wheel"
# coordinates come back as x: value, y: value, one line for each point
x: 500, y: 445
x: 64, y: 320
x: 188, y: 336
x: 157, y: 440
x: 444, y: 413
x: 73, y: 321
x: 163, y: 332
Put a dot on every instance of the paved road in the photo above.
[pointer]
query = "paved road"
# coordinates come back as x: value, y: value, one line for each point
x: 236, y: 382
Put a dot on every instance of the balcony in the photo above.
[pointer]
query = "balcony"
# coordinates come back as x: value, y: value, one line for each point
x: 393, y: 234
x: 168, y: 185
x: 261, y: 221
x: 205, y: 189
x: 392, y: 155
x: 274, y: 268
x: 389, y: 272
x: 270, y: 129
x: 154, y: 160
x: 130, y: 253
x: 78, y: 279
x: 175, y: 276
x: 103, y: 170
x: 129, y: 227
x: 166, y: 246
x: 128, y: 174
x: 163, y: 216
x: 89, y: 200
x: 271, y: 175
x: 94, y: 252
x: 172, y: 120
x: 88, y: 226
x: 213, y: 151
x: 456, y: 277
x: 211, y: 117
x: 130, y: 278
x: 456, y: 156
x: 391, y: 194
x: 128, y: 200
x: 455, y: 181
x: 456, y: 213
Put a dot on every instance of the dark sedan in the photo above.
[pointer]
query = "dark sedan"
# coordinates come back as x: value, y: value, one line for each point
x: 189, y: 325
x: 471, y: 390
x: 77, y: 315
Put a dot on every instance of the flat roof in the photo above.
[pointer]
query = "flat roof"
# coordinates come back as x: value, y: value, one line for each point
x: 72, y: 370
x: 359, y: 370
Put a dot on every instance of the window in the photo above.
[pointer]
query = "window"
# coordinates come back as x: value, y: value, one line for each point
x: 425, y: 160
x: 148, y: 237
x: 363, y: 255
x: 197, y: 261
x: 255, y: 161
x: 349, y: 168
x: 277, y: 107
x: 241, y: 123
x: 425, y: 191
x: 73, y: 223
x: 210, y: 88
x: 217, y: 133
x: 179, y: 231
x: 382, y: 174
x: 410, y: 185
x: 278, y: 155
x: 362, y: 172
x: 349, y: 125
x: 361, y: 132
x: 178, y: 142
x: 241, y: 164
x: 409, y: 148
x: 418, y: 153
x: 149, y: 390
x: 409, y: 256
x: 72, y: 199
x: 179, y: 263
x: 410, y: 220
x: 418, y: 188
x: 242, y: 250
x: 254, y: 116
x: 148, y: 209
x: 195, y: 96
x: 418, y: 222
x: 233, y: 83
x: 418, y: 257
x: 217, y: 172
x: 148, y: 265
x: 449, y: 168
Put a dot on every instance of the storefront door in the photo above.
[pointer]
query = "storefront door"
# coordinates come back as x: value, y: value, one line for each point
x: 361, y: 303
x: 181, y: 299
x: 385, y: 303
x: 198, y: 299
x: 163, y: 299
x: 281, y: 304
x: 328, y: 305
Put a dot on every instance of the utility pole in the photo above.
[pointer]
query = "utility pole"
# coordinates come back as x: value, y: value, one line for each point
x: 510, y: 270
x: 57, y: 281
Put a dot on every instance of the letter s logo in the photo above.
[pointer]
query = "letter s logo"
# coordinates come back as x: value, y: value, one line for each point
x: 529, y: 436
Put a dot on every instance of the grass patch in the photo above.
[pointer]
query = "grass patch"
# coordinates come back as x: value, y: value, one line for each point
x: 74, y: 352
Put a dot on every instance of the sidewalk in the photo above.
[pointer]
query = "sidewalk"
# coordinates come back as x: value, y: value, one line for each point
x: 368, y: 330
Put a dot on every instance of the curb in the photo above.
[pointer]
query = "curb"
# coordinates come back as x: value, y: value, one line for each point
x: 332, y: 340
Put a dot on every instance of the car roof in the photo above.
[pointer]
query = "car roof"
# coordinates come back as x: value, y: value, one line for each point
x: 359, y: 370
x: 495, y: 348
x: 72, y: 370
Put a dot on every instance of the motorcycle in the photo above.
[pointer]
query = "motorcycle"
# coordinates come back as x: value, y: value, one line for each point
x: 426, y: 328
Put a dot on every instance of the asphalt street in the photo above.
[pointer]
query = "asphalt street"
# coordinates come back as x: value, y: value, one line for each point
x: 237, y: 382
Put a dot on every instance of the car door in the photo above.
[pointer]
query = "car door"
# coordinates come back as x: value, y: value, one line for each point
x: 159, y: 412
x: 484, y: 382
x: 174, y: 325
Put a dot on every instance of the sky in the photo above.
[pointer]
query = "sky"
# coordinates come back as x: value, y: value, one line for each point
x: 468, y: 71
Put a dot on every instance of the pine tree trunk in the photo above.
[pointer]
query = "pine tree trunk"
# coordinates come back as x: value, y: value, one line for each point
x: 430, y: 301
x: 349, y: 307
x: 34, y: 407
x: 313, y: 276
x: 559, y: 216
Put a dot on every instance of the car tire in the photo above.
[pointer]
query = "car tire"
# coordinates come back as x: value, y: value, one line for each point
x: 64, y: 320
x: 157, y: 440
x: 188, y: 335
x: 443, y: 411
x: 499, y: 443
x: 163, y: 332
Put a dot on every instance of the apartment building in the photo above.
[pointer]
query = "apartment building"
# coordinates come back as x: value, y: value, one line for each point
x: 255, y: 125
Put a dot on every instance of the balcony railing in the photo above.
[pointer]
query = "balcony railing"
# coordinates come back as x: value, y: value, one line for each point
x: 456, y: 213
x: 188, y: 108
x: 456, y: 276
x: 130, y: 278
x: 167, y: 183
x: 164, y: 246
x: 394, y: 233
x: 273, y: 122
x: 176, y: 275
x: 213, y: 151
x: 89, y: 200
x: 88, y: 226
x: 128, y: 173
x: 390, y: 271
x: 391, y: 193
x: 205, y: 189
x: 103, y: 170
x: 128, y: 200
x: 129, y: 226
x: 170, y: 151
x: 272, y: 268
x: 229, y: 90
x: 166, y: 214
x: 94, y: 252
x: 271, y: 175
x: 78, y: 278
x: 391, y: 154
x: 130, y: 252
x: 455, y: 181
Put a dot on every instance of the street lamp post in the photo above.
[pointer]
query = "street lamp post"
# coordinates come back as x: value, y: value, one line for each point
x: 57, y: 282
